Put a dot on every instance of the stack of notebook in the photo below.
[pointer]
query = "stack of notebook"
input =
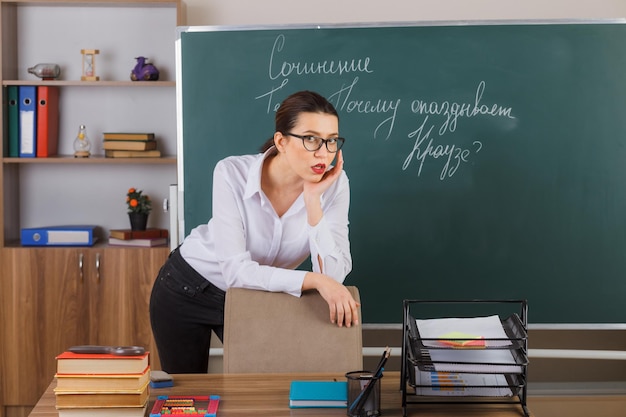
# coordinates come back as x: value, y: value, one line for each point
x: 149, y: 237
x: 130, y: 145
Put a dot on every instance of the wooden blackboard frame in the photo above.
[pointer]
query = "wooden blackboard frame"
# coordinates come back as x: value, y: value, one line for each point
x: 568, y: 301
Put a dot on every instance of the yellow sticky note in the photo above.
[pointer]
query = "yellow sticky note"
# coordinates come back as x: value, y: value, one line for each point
x: 460, y: 339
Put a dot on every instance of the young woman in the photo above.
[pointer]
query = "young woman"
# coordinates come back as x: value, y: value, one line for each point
x: 271, y: 211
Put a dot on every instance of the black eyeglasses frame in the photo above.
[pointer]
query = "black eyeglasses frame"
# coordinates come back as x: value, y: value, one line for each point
x: 340, y: 142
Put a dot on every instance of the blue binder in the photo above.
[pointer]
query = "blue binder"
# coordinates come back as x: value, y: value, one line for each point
x: 28, y: 120
x: 59, y: 236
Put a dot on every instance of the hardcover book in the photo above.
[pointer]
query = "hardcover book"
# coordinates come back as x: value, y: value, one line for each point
x: 318, y: 394
x: 155, y: 241
x: 86, y: 399
x: 138, y: 234
x: 130, y: 145
x: 133, y: 154
x: 104, y: 412
x: 100, y: 363
x: 102, y: 382
x: 127, y: 136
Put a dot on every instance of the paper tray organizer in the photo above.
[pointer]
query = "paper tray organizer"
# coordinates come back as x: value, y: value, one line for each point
x: 417, y: 357
x: 419, y: 353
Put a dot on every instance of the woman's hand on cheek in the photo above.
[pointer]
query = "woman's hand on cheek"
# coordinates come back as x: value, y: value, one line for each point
x: 330, y: 176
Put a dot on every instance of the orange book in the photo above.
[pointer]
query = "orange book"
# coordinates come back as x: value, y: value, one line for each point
x: 47, y: 121
x: 102, y: 382
x: 100, y: 363
x: 112, y: 398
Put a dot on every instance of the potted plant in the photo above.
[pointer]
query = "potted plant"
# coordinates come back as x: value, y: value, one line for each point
x: 139, y: 206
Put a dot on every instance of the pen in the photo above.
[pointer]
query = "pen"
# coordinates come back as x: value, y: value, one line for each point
x: 359, y: 402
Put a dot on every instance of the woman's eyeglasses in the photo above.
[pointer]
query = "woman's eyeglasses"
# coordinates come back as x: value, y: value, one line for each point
x: 313, y: 143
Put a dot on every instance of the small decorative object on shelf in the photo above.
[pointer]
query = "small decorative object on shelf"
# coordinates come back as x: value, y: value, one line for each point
x: 46, y: 71
x: 144, y: 71
x: 82, y: 145
x: 89, y: 64
x: 139, y: 206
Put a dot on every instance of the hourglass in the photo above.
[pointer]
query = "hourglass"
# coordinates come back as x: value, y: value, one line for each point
x: 89, y: 64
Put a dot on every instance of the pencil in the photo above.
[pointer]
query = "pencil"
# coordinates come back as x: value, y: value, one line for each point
x: 359, y: 402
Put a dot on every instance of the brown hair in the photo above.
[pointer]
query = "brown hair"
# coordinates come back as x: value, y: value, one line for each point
x: 289, y: 110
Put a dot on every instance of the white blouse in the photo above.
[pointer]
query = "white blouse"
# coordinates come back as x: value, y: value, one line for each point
x: 246, y: 244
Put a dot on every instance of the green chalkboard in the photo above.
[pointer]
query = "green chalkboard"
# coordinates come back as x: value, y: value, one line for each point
x: 485, y: 160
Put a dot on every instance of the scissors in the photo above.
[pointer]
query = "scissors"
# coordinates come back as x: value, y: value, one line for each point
x: 112, y: 350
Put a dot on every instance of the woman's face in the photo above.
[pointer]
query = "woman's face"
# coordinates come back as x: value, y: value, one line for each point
x: 309, y: 165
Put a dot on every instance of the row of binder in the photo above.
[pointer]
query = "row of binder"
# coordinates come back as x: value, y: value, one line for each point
x: 33, y: 120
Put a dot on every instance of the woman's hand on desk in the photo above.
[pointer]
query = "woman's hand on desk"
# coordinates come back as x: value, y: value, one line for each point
x: 344, y: 310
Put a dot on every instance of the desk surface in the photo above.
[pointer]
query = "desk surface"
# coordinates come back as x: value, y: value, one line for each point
x: 268, y: 395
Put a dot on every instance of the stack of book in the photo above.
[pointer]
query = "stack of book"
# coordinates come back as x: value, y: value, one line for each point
x: 102, y: 384
x: 127, y: 237
x: 130, y: 145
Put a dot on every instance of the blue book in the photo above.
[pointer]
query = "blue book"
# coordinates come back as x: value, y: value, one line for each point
x: 318, y: 394
x: 59, y: 236
x: 28, y: 120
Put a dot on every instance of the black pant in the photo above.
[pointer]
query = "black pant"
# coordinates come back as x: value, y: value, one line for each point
x: 184, y: 308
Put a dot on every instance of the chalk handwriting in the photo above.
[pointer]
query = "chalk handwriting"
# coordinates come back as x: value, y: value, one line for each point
x: 452, y: 154
x: 344, y: 101
x: 453, y: 110
x: 279, y: 69
x: 428, y: 144
x: 270, y: 96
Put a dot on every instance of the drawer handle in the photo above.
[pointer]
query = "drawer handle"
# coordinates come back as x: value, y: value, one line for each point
x: 80, y: 266
x: 98, y: 267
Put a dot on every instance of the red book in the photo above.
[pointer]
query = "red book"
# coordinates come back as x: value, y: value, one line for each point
x: 101, y: 363
x: 47, y: 121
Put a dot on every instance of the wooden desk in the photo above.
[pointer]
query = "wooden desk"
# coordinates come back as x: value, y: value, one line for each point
x: 268, y: 395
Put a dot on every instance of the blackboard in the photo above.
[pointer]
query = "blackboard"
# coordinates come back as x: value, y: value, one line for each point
x: 486, y: 160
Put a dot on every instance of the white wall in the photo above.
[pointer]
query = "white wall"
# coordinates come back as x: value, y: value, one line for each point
x: 246, y: 12
x: 48, y: 193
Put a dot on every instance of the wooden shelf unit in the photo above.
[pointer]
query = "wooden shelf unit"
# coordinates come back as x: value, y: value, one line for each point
x: 55, y: 297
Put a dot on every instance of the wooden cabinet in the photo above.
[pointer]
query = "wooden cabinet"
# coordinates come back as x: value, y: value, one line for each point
x: 120, y: 294
x: 42, y: 300
x: 53, y: 298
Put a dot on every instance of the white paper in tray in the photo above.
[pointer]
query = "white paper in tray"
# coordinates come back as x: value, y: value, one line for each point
x: 489, y: 327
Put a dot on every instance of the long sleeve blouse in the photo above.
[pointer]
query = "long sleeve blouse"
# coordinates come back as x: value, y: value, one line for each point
x: 246, y: 244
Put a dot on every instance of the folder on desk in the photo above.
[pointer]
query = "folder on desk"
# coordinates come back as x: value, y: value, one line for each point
x: 13, y: 121
x: 28, y: 120
x: 47, y: 121
x: 72, y: 235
